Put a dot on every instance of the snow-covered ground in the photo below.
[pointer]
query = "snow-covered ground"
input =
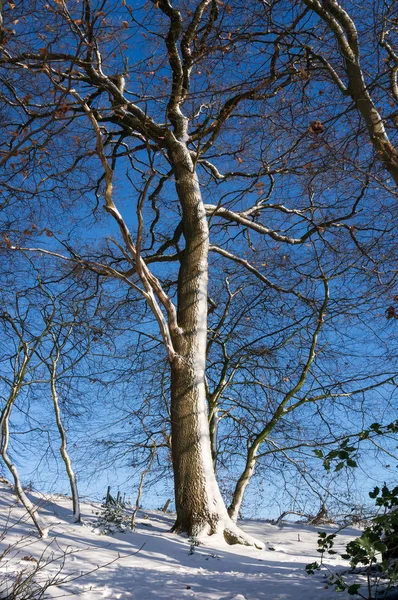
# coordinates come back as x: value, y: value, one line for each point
x: 153, y: 563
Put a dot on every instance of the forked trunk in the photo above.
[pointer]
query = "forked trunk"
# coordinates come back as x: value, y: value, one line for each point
x: 5, y: 416
x: 199, y: 504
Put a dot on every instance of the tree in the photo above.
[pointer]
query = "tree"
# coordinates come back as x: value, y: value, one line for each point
x: 210, y: 91
x: 279, y: 396
x: 24, y: 343
x: 60, y: 330
x: 371, y: 86
x: 47, y: 331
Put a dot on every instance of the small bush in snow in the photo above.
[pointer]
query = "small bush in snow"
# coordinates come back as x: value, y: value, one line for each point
x: 112, y: 519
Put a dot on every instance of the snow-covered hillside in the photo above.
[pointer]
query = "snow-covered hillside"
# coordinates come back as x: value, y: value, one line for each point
x: 153, y: 563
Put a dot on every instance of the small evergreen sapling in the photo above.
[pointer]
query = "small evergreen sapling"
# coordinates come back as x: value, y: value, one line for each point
x: 112, y: 518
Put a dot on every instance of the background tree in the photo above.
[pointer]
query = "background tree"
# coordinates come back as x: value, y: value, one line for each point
x: 368, y: 73
x: 18, y: 372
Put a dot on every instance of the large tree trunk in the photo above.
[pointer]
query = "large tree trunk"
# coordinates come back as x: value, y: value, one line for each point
x: 199, y: 504
x: 200, y: 507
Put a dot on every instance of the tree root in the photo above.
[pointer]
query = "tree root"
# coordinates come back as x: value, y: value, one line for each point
x: 223, y: 528
x: 234, y: 535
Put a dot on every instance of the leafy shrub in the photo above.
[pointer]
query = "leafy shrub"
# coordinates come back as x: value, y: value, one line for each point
x: 373, y: 555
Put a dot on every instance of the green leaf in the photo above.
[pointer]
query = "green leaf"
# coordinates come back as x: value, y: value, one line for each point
x: 376, y: 427
x: 343, y: 454
x: 375, y: 493
x: 380, y: 546
x: 365, y: 542
x: 353, y: 589
x: 312, y: 567
x: 340, y: 586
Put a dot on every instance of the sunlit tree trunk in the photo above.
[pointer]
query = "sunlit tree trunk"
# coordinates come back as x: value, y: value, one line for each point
x: 199, y: 504
x: 27, y: 504
x: 5, y: 440
x: 63, y: 448
x: 242, y: 484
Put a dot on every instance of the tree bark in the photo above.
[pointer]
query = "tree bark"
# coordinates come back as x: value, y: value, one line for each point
x: 4, y: 441
x: 214, y: 420
x: 199, y: 504
x: 242, y: 484
x: 63, y: 448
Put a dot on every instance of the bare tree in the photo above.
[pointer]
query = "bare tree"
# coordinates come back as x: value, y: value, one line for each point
x: 367, y: 87
x: 47, y: 341
x: 205, y: 130
x: 278, y: 407
x: 59, y: 335
x: 15, y: 379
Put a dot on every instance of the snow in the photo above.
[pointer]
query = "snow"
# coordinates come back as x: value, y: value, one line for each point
x: 153, y: 563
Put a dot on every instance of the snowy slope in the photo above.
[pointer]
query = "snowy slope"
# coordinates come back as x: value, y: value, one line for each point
x: 152, y: 563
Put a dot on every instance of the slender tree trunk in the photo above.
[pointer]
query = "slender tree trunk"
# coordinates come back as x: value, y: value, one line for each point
x: 63, y: 448
x: 280, y: 411
x: 4, y: 441
x: 141, y: 486
x: 242, y: 484
x: 199, y: 504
